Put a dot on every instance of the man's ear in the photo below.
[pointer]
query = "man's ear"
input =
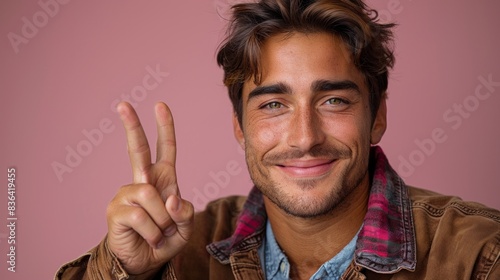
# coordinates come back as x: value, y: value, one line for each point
x: 380, y: 123
x: 238, y: 132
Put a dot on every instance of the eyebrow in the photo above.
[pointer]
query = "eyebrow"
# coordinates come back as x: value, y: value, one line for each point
x: 327, y: 85
x: 317, y: 86
x: 278, y: 88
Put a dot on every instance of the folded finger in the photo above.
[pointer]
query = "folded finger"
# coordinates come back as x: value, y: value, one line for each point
x: 182, y: 213
x: 147, y: 197
x: 136, y: 218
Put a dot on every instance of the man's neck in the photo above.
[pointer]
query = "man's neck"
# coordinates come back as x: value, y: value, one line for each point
x: 308, y: 243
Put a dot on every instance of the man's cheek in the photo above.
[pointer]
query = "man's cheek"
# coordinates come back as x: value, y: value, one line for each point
x: 264, y: 133
x: 359, y: 129
x: 341, y: 130
x: 265, y: 136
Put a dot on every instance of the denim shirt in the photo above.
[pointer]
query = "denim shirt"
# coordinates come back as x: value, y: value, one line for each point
x: 276, y: 266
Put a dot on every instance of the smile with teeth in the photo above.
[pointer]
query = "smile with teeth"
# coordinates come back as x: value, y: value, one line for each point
x: 306, y: 168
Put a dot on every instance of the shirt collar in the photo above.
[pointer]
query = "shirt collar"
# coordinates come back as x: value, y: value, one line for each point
x: 386, y: 242
x: 276, y: 261
x: 277, y: 266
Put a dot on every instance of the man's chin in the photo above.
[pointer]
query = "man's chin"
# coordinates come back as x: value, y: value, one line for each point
x: 309, y: 211
x: 304, y: 204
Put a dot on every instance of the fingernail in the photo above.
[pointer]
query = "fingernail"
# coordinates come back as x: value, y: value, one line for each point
x: 160, y: 244
x: 170, y: 230
x: 176, y: 203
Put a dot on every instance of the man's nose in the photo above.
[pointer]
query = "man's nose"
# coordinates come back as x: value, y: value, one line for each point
x: 305, y: 129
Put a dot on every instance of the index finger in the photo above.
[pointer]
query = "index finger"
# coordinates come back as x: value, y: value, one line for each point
x: 137, y: 143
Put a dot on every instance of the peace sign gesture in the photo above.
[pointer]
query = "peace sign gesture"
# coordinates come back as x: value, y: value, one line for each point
x: 148, y: 221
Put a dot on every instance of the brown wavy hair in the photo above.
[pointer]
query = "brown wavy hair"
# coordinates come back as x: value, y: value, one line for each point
x: 369, y: 41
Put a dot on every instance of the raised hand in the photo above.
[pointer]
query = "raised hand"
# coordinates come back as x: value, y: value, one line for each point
x: 148, y: 221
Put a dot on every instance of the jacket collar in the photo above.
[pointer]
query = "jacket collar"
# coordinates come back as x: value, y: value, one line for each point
x: 386, y: 242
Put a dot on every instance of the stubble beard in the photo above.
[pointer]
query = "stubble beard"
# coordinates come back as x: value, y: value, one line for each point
x: 301, y: 206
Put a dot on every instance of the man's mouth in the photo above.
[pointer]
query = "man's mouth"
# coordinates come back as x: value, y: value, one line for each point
x: 306, y: 168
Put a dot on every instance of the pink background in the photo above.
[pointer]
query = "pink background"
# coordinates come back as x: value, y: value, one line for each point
x: 66, y: 77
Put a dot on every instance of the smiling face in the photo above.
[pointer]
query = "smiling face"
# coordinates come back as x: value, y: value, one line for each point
x: 307, y: 126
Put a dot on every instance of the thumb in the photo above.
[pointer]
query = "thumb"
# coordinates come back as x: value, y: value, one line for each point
x: 182, y: 213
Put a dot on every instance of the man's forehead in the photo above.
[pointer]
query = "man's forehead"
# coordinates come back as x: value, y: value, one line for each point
x: 310, y: 38
x: 296, y: 48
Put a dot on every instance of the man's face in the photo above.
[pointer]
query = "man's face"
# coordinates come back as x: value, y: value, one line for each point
x: 307, y: 127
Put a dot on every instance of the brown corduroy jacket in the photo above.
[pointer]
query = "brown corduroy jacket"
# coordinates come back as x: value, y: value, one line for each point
x: 454, y: 240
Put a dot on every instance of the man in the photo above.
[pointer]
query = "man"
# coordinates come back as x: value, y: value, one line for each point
x: 307, y: 80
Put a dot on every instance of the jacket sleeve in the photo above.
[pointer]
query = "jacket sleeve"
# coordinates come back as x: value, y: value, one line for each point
x: 495, y: 274
x: 494, y: 259
x: 101, y: 264
x: 97, y: 264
